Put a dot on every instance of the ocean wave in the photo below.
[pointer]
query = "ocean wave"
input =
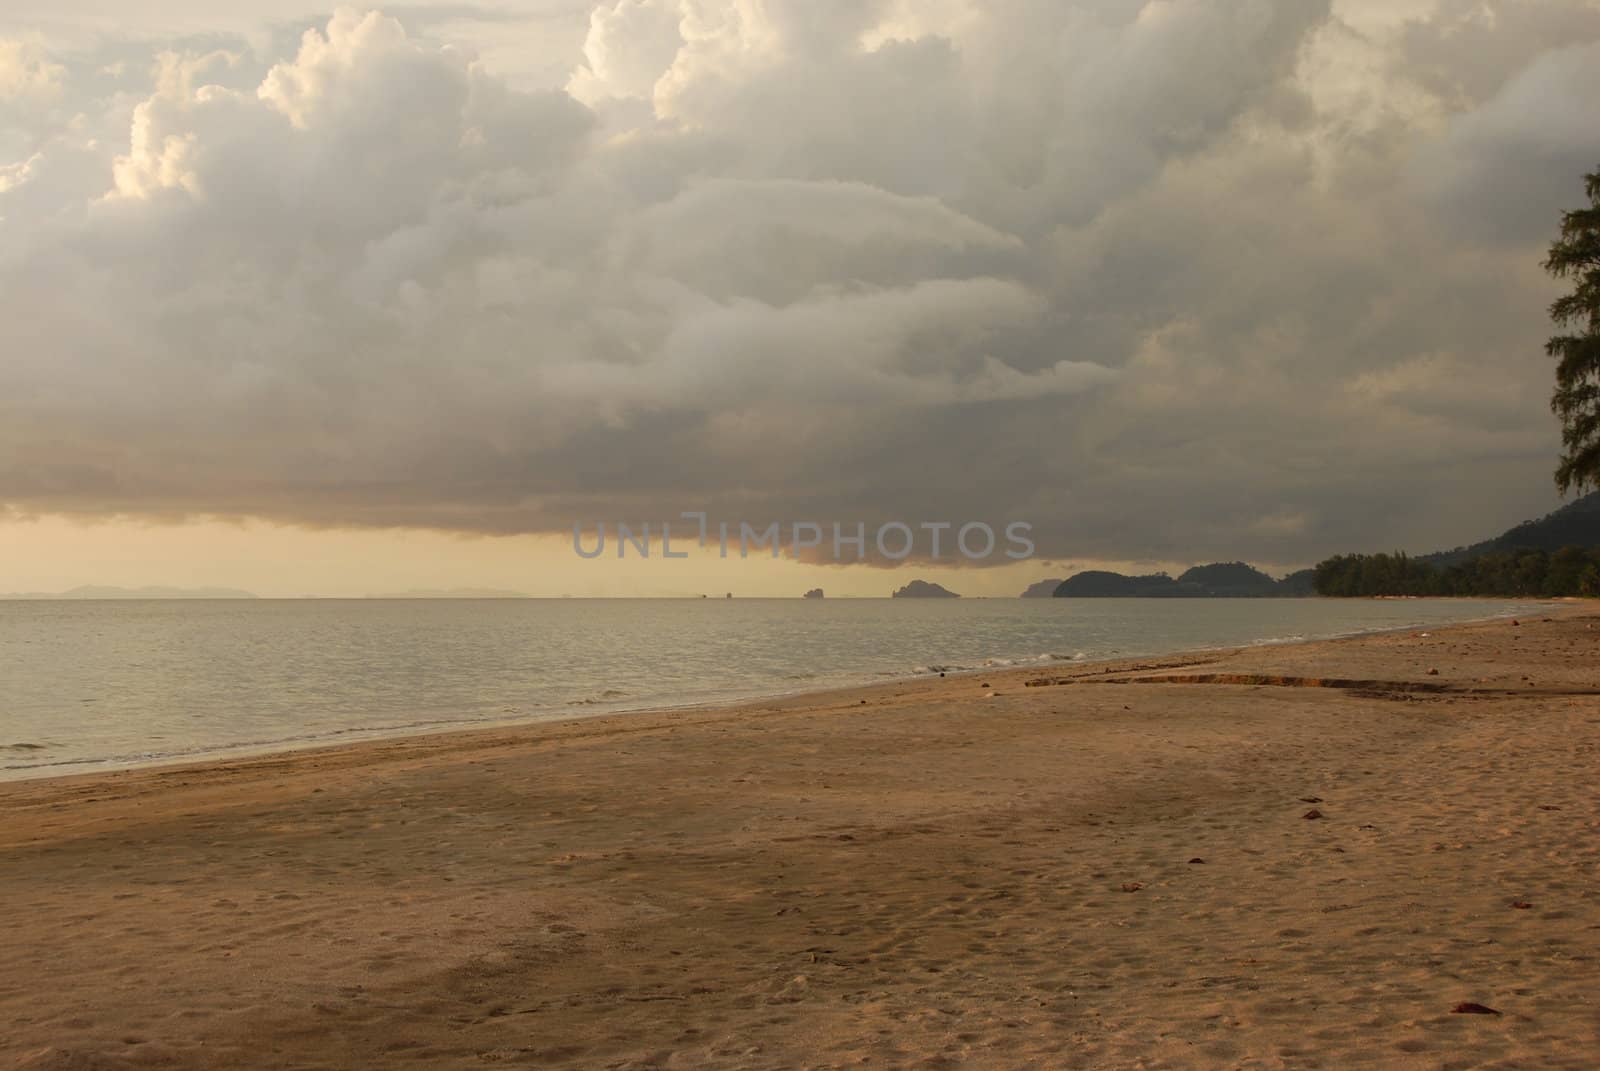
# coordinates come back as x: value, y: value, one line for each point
x: 610, y: 695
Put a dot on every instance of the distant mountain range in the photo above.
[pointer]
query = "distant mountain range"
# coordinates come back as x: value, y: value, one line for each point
x: 95, y: 591
x: 1223, y: 580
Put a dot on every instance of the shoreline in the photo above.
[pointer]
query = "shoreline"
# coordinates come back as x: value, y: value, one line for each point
x: 1115, y: 867
x: 462, y: 737
x: 361, y: 737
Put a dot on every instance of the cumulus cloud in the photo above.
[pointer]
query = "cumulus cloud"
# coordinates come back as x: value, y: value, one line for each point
x: 1165, y: 277
x: 26, y: 76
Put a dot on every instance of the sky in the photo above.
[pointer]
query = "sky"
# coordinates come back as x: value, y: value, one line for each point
x: 330, y: 302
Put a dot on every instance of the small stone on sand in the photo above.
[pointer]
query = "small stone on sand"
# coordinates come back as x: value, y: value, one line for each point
x: 1470, y: 1008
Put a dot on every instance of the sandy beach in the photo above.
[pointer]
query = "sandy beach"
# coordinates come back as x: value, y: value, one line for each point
x: 1302, y: 856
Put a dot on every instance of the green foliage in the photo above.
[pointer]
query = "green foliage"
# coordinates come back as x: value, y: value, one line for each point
x: 1230, y: 579
x: 1575, y: 256
x: 1517, y: 574
x: 1302, y: 584
x: 1589, y: 582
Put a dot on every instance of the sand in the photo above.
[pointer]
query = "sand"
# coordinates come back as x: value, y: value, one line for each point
x: 1084, y: 874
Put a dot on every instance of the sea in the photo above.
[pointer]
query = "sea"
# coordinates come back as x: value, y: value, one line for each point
x: 87, y: 685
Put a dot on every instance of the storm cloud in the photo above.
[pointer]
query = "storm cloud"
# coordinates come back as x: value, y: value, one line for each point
x: 1177, y: 278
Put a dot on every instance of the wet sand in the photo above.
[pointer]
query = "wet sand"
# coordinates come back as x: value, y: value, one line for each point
x: 1302, y: 856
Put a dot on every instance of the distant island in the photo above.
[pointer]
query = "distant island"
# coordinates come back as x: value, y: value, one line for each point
x: 1222, y: 580
x: 922, y: 589
x: 97, y: 591
x: 453, y: 593
x: 814, y: 593
x: 1044, y: 589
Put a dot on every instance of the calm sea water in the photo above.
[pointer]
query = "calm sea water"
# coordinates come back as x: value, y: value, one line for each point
x: 95, y: 684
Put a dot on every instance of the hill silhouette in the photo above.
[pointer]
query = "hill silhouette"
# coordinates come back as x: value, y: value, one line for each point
x: 1220, y: 580
x: 922, y: 589
x: 1043, y: 589
x: 1230, y: 578
x: 1577, y: 524
x: 1556, y: 556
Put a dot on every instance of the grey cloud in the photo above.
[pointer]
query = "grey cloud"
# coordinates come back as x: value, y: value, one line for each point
x: 1501, y: 170
x: 1153, y: 276
x: 778, y: 240
x: 1467, y: 50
